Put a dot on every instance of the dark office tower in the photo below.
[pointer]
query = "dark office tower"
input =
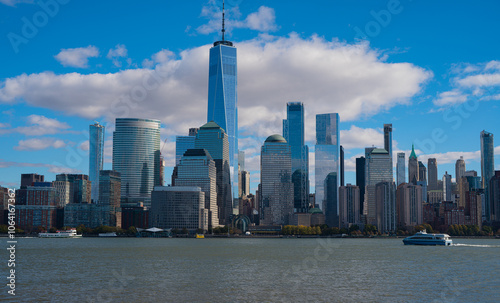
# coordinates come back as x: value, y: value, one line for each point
x: 214, y: 139
x: 29, y: 179
x: 360, y: 181
x: 388, y: 138
x: 400, y: 169
x: 378, y: 169
x: 293, y: 132
x: 96, y: 156
x: 330, y: 205
x: 136, y: 156
x: 109, y: 197
x: 223, y: 99
x: 494, y: 195
x: 422, y: 171
x: 432, y: 173
x: 447, y: 187
x: 341, y: 165
x: 459, y: 169
x: 413, y: 167
x: 276, y: 181
x: 487, y: 166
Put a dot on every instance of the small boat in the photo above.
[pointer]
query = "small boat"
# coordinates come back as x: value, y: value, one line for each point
x: 112, y: 234
x: 423, y: 238
x: 60, y: 234
x: 199, y: 236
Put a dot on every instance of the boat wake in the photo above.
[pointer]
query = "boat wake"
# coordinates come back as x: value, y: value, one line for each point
x: 473, y: 245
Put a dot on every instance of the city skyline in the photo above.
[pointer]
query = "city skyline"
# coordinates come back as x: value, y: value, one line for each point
x: 45, y: 133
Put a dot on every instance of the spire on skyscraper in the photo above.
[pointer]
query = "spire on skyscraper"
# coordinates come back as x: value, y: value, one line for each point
x: 413, y: 155
x: 223, y: 30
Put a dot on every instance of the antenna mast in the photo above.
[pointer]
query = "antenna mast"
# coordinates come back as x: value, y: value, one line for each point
x: 223, y: 30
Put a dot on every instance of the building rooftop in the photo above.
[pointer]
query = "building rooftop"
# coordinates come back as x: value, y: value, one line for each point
x: 210, y: 125
x: 276, y: 138
x: 379, y: 151
x: 197, y: 153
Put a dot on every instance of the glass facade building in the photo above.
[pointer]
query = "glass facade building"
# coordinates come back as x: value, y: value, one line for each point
x: 432, y: 174
x: 326, y: 153
x: 276, y: 188
x: 487, y: 166
x: 214, y: 139
x: 400, y: 169
x: 96, y: 154
x: 223, y: 99
x: 378, y: 169
x: 293, y: 132
x: 136, y: 156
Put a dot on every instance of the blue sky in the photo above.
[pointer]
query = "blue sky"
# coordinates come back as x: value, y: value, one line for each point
x: 431, y: 68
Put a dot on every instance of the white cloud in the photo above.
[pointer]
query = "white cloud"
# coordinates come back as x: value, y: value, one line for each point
x: 39, y: 144
x: 493, y: 65
x: 263, y: 20
x: 120, y: 51
x: 450, y: 98
x: 482, y: 80
x: 357, y: 137
x: 51, y: 167
x: 39, y: 126
x: 77, y: 57
x: 160, y: 57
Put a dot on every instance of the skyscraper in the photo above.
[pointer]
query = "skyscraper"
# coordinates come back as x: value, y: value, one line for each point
x: 136, y: 156
x: 388, y: 138
x: 276, y: 181
x: 487, y: 166
x: 183, y: 143
x: 223, y: 99
x: 341, y: 165
x: 422, y: 172
x: 349, y: 212
x: 494, y: 196
x: 360, y: 182
x: 446, y: 187
x: 459, y: 169
x: 326, y: 151
x: 293, y: 132
x: 409, y: 205
x: 109, y: 197
x: 432, y: 173
x: 214, y: 139
x: 197, y: 168
x: 400, y: 169
x: 378, y: 169
x: 96, y: 154
x: 413, y: 167
x: 385, y: 196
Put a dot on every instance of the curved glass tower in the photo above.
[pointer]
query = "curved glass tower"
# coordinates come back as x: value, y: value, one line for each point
x: 136, y: 156
x: 223, y: 100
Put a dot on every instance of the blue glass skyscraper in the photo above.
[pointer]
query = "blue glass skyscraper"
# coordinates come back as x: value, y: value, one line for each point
x: 96, y: 154
x: 293, y: 132
x: 487, y: 166
x: 223, y: 99
x: 327, y: 161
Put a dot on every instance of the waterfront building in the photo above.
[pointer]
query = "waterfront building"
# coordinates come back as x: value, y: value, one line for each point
x: 326, y: 152
x: 183, y: 143
x: 197, y: 168
x: 360, y: 182
x: 223, y: 100
x: 109, y: 197
x: 400, y: 169
x: 36, y: 206
x: 330, y: 202
x: 96, y: 157
x: 494, y: 196
x: 432, y: 173
x: 385, y: 196
x: 413, y: 167
x: 447, y: 187
x: 213, y: 138
x: 487, y: 165
x: 80, y: 187
x: 459, y: 169
x: 63, y: 190
x: 136, y: 215
x: 409, y: 205
x: 378, y: 169
x: 294, y: 134
x: 179, y: 207
x: 136, y: 156
x: 349, y: 204
x: 276, y: 188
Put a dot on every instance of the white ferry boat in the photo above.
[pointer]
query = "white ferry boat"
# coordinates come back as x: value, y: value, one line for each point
x: 423, y: 238
x: 112, y: 234
x: 60, y: 234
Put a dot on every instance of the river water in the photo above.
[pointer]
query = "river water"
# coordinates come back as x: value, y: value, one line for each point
x: 253, y: 270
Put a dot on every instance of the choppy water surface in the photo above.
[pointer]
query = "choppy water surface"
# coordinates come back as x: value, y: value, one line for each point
x: 264, y: 270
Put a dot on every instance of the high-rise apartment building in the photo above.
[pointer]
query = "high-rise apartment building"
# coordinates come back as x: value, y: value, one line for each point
x: 378, y: 169
x: 197, y: 168
x: 213, y: 138
x: 276, y: 181
x: 385, y: 197
x: 447, y: 187
x: 432, y: 173
x: 400, y: 169
x: 326, y: 152
x: 409, y: 205
x: 459, y: 169
x: 294, y: 134
x: 96, y: 157
x: 109, y: 198
x: 413, y: 174
x: 223, y: 99
x: 136, y: 156
x: 29, y: 179
x: 349, y: 204
x: 79, y: 189
x: 487, y: 166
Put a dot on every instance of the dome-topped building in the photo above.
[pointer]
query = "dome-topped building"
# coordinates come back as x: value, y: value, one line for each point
x: 276, y: 138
